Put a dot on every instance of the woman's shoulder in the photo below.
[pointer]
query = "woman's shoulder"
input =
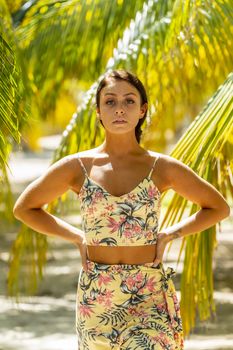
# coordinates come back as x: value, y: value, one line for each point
x: 163, y: 158
x: 84, y: 157
x: 86, y: 154
x: 166, y: 164
x: 171, y: 168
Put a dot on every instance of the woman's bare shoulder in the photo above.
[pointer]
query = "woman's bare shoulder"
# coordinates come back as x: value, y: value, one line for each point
x: 163, y: 159
x: 162, y: 173
x: 89, y: 153
x: 86, y: 157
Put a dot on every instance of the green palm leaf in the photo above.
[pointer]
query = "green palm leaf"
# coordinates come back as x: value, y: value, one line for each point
x: 61, y: 34
x: 11, y: 112
x: 206, y: 147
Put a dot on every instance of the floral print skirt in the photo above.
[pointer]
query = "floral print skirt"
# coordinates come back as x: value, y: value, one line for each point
x: 127, y: 307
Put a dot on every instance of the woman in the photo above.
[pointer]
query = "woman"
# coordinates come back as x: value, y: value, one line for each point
x: 125, y: 298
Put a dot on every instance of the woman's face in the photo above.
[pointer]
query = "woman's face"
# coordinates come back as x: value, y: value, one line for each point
x: 120, y: 101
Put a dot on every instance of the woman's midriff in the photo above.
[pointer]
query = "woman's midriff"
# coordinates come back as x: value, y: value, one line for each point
x: 122, y: 255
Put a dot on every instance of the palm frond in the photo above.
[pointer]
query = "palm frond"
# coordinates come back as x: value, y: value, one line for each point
x: 206, y: 147
x: 11, y: 112
x: 67, y: 28
x: 27, y: 259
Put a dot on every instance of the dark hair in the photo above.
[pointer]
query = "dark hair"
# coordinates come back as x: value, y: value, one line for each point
x: 121, y: 74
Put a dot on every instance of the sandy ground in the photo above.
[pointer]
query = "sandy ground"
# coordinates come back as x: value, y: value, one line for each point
x: 47, y: 320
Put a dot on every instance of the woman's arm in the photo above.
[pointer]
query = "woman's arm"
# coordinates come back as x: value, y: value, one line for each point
x: 188, y: 184
x: 58, y: 178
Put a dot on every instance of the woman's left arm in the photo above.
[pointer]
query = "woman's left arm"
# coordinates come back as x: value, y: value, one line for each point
x: 189, y: 185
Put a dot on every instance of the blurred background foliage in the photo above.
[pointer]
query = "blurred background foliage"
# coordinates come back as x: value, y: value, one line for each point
x: 54, y: 53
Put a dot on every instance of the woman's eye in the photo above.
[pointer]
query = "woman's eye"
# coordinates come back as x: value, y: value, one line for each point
x: 109, y: 101
x: 128, y: 100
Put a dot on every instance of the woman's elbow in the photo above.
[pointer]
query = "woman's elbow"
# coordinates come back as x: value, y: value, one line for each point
x: 227, y: 211
x: 21, y: 212
x: 18, y: 212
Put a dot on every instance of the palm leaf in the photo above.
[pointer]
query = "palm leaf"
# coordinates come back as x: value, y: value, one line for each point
x: 206, y: 147
x: 68, y: 28
x: 11, y: 112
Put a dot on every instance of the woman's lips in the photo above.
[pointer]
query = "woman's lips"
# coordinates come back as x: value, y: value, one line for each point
x: 120, y: 121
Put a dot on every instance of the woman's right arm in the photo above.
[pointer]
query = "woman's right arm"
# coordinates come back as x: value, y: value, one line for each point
x: 58, y: 178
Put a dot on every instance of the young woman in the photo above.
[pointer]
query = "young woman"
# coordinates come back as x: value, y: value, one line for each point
x: 125, y: 297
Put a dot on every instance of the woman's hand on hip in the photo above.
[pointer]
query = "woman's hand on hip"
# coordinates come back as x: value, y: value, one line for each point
x: 162, y: 240
x: 83, y: 252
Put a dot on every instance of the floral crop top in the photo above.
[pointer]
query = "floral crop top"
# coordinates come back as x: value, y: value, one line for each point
x: 128, y: 220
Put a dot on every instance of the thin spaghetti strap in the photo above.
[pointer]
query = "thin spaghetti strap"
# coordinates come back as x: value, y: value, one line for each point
x: 81, y: 163
x: 153, y: 166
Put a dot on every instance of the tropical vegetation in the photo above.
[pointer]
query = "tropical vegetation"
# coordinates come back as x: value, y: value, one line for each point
x: 54, y: 53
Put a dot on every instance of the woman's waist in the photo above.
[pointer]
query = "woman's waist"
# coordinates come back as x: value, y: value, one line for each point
x: 122, y: 254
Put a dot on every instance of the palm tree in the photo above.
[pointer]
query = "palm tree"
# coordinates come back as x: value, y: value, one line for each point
x: 183, y: 51
x: 11, y: 113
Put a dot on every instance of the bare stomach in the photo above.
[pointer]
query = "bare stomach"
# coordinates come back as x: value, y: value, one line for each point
x: 122, y: 255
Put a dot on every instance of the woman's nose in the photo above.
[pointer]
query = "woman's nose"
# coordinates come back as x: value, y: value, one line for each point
x: 120, y: 109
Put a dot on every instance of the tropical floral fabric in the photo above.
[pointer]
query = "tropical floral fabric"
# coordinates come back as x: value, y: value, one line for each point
x: 127, y: 307
x: 131, y: 219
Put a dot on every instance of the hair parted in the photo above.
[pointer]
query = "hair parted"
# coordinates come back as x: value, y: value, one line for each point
x: 121, y: 74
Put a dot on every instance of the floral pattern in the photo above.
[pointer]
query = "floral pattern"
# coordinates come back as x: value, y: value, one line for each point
x: 125, y: 307
x: 128, y: 307
x: 131, y: 219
